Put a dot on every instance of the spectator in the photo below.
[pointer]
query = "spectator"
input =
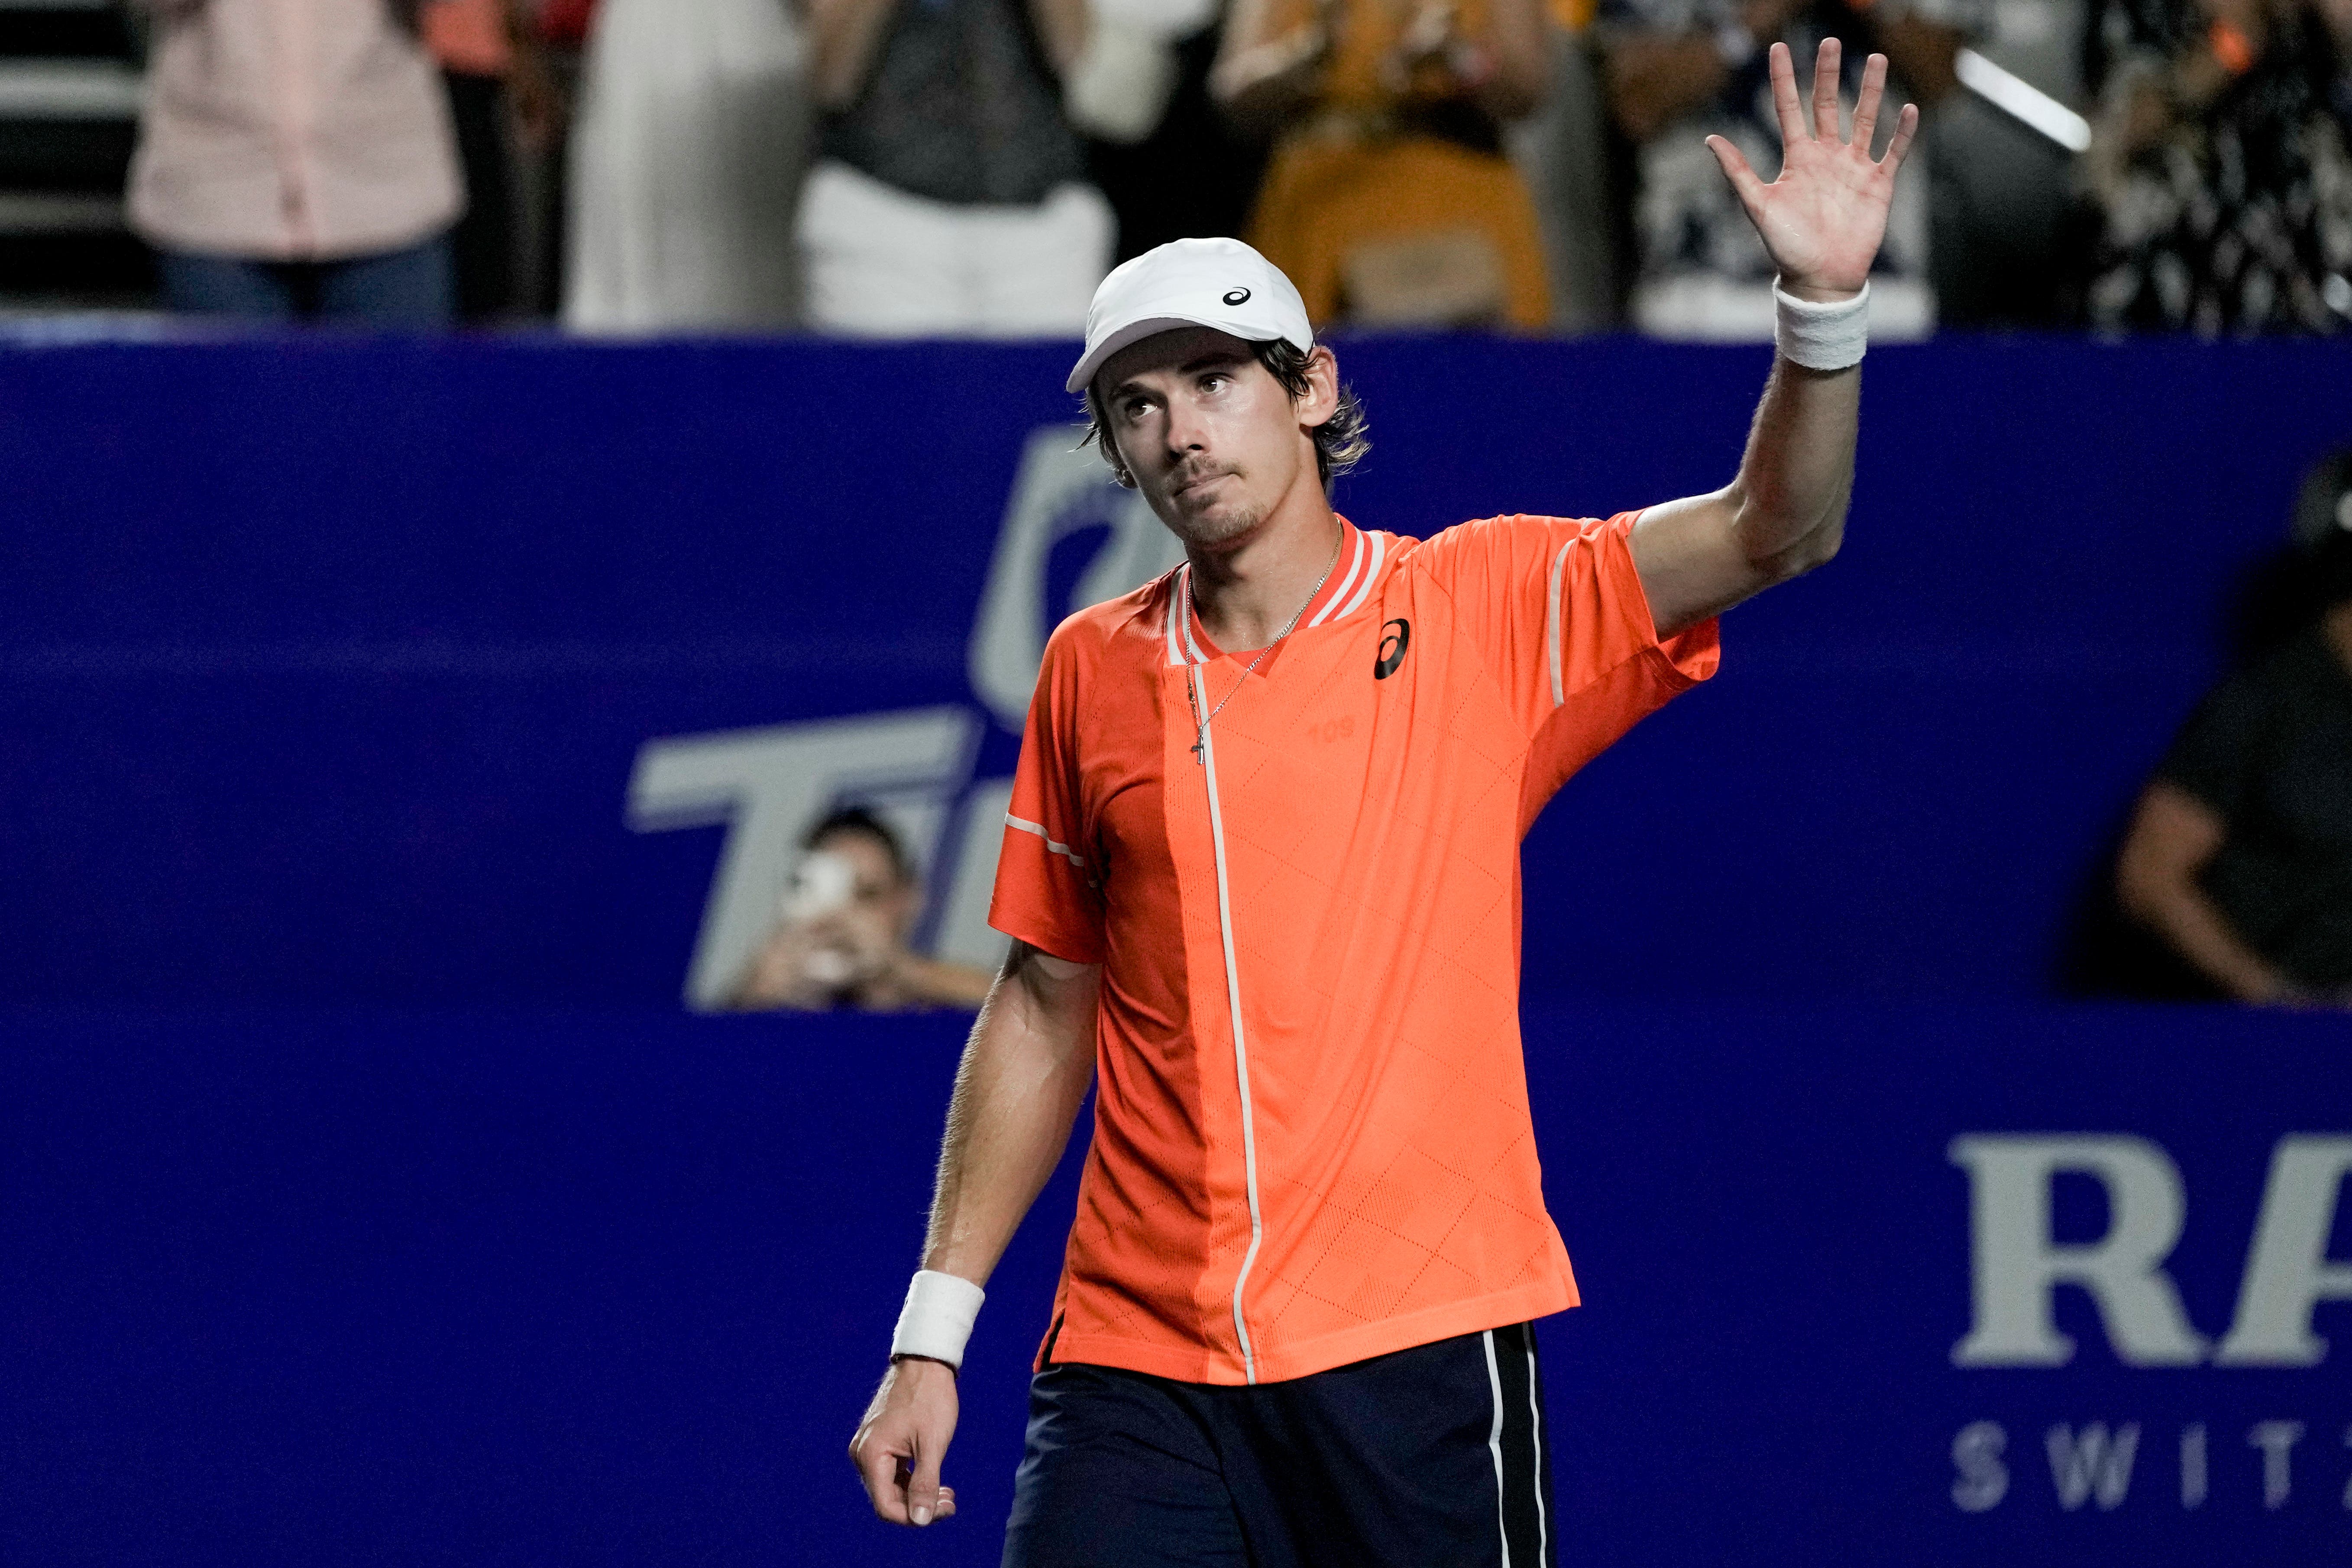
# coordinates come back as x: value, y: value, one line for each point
x: 1564, y: 151
x: 1177, y: 168
x: 2240, y: 855
x: 294, y: 171
x: 687, y: 165
x: 1389, y: 200
x: 842, y: 937
x: 1681, y: 70
x: 951, y: 198
x: 498, y: 85
x: 2219, y: 165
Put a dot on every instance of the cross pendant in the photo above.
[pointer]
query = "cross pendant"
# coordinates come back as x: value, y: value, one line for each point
x: 1196, y: 752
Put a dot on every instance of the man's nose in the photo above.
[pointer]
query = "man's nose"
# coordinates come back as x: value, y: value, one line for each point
x: 1186, y: 431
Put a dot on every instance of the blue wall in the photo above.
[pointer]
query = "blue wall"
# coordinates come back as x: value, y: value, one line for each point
x: 366, y: 1196
x: 286, y: 1290
x: 323, y: 665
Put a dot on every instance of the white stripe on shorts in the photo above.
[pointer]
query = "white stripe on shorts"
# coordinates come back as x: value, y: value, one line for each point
x: 1495, y: 1445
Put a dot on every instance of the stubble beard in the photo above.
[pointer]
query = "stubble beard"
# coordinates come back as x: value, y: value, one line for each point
x: 1211, y: 527
x: 1206, y: 530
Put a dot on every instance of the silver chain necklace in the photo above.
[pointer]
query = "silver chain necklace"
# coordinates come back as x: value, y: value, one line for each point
x: 1200, y: 739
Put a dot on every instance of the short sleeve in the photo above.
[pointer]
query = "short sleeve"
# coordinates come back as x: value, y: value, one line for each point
x: 2215, y: 750
x: 1557, y: 611
x: 1048, y: 891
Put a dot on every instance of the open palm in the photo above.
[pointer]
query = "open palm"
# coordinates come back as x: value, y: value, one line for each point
x: 1822, y: 220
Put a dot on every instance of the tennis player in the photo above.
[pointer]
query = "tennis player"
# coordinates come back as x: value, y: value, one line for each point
x: 1261, y: 872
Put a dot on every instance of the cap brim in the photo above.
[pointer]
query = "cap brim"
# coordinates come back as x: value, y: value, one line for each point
x: 1134, y: 332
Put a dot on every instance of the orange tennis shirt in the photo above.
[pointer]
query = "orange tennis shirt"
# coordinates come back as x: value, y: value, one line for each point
x: 1311, y: 1140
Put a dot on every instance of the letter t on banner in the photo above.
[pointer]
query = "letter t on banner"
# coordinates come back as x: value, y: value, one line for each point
x: 2017, y: 1264
x: 2276, y: 1439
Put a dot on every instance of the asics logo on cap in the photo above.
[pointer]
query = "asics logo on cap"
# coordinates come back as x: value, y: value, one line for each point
x: 1221, y: 284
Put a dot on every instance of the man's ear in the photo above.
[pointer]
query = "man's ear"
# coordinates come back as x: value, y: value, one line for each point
x: 1322, y: 398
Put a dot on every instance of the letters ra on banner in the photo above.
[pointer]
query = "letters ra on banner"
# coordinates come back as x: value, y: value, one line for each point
x: 2102, y: 1462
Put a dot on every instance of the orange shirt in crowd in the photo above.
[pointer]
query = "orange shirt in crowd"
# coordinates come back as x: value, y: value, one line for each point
x: 470, y: 37
x: 1312, y: 1142
x: 1352, y: 178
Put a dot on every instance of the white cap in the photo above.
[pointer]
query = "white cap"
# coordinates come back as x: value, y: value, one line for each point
x: 1219, y: 283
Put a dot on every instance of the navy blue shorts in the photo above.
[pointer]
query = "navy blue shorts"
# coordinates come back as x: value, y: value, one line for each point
x: 1430, y: 1457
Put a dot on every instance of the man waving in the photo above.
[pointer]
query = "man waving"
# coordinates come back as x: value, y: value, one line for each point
x: 1261, y: 872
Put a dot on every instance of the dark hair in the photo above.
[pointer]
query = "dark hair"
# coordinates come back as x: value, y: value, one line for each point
x: 1340, y: 441
x: 861, y: 819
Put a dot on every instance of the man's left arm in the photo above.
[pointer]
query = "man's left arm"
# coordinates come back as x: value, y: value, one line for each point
x: 1822, y: 222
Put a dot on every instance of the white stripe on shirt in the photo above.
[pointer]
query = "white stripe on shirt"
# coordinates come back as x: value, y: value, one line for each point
x: 1064, y: 850
x: 1371, y: 571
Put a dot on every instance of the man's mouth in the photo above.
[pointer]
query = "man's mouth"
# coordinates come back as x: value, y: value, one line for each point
x: 1197, y: 481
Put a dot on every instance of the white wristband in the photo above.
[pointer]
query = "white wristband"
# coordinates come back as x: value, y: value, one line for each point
x: 1822, y: 336
x: 938, y: 1317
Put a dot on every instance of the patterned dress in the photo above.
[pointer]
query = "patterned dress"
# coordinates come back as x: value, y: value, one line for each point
x: 2238, y: 220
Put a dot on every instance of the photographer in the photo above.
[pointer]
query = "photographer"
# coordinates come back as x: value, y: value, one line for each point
x: 841, y: 940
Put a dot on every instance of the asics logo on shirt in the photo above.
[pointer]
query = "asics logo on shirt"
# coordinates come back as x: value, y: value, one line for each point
x: 1392, y: 648
x: 1237, y: 296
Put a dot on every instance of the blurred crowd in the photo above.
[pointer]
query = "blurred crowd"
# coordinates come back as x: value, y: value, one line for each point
x: 972, y: 168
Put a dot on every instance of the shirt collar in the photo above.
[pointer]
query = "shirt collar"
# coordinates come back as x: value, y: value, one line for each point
x: 1346, y: 586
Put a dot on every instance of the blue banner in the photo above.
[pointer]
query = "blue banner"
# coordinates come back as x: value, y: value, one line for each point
x: 1994, y: 1285
x: 504, y: 673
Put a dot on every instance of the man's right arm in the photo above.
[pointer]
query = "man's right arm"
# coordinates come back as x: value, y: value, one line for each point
x: 1024, y: 1075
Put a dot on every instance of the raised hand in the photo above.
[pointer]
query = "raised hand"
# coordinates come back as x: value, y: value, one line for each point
x: 1821, y: 221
